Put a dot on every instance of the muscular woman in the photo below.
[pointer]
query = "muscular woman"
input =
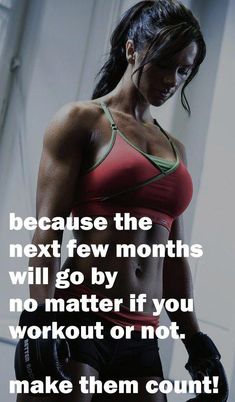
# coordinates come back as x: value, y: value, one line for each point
x: 107, y: 156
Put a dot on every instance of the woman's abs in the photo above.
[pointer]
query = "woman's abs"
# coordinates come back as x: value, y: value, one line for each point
x: 117, y: 264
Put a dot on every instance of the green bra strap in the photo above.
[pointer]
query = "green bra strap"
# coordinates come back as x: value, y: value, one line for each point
x: 169, y: 139
x: 108, y: 115
x: 164, y: 165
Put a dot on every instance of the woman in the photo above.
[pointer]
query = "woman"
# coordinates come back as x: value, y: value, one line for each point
x: 108, y: 156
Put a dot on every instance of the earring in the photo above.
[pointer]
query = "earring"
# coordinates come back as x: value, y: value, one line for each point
x: 131, y: 59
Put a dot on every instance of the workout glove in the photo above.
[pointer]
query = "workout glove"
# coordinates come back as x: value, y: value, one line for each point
x: 37, y: 358
x: 204, y: 361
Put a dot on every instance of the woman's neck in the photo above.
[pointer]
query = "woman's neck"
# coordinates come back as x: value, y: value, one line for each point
x: 127, y: 98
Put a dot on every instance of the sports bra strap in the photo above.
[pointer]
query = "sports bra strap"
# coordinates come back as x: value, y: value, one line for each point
x: 108, y: 115
x: 162, y: 130
x: 167, y: 136
x: 114, y: 128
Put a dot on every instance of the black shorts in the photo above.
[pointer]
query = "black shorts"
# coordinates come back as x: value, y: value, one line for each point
x: 113, y: 358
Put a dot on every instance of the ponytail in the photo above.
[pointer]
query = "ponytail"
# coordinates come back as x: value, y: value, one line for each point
x: 115, y: 67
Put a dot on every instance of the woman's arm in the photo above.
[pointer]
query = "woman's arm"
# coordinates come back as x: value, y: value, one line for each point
x: 57, y: 183
x: 177, y: 284
x: 57, y: 189
x: 204, y: 357
x: 177, y: 279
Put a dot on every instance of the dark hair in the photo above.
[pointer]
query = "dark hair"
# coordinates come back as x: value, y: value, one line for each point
x: 162, y: 28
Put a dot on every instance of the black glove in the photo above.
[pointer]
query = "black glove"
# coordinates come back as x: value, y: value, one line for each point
x: 204, y: 361
x: 37, y: 358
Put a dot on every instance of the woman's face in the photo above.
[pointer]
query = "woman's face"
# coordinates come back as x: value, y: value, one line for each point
x: 160, y: 81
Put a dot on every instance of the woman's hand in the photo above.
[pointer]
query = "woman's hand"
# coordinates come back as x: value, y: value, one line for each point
x: 204, y: 361
x: 37, y: 358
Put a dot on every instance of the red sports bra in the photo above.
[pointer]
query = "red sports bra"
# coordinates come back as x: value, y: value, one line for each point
x: 127, y: 179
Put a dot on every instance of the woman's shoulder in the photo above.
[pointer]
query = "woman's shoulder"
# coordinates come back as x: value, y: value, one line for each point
x: 73, y: 122
x: 80, y: 114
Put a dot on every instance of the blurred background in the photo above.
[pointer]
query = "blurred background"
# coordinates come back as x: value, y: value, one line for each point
x: 50, y: 52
